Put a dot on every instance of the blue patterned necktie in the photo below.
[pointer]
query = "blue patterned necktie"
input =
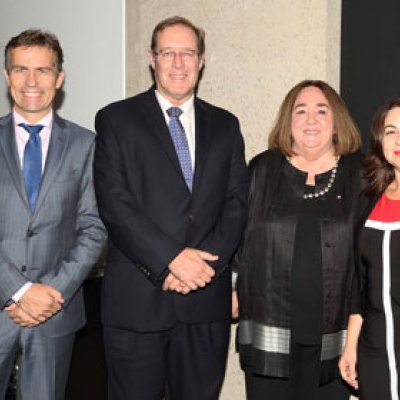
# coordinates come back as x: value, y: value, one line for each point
x: 181, y: 145
x: 32, y: 163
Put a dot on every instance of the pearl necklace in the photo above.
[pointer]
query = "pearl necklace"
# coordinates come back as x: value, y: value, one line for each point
x: 328, y: 187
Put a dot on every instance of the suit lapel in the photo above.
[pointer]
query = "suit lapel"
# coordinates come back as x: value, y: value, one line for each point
x: 203, y: 141
x: 9, y: 148
x: 55, y: 156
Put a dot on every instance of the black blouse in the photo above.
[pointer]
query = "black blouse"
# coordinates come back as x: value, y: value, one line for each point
x: 306, y: 299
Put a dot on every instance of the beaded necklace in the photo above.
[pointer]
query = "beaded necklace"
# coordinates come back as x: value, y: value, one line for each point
x: 329, y: 185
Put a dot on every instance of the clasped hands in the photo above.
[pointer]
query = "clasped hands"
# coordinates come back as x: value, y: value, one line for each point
x: 189, y: 271
x: 39, y: 303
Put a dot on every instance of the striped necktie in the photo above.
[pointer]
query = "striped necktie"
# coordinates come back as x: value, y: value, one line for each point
x: 32, y: 162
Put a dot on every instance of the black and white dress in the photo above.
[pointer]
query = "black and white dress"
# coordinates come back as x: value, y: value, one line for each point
x: 379, y: 261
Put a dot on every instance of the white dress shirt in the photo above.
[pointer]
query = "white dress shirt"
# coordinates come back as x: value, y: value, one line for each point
x: 21, y: 138
x: 187, y: 121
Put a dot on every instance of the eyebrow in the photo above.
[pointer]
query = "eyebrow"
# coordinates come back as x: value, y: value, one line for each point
x: 176, y: 48
x: 305, y: 105
x: 390, y: 126
x: 47, y: 67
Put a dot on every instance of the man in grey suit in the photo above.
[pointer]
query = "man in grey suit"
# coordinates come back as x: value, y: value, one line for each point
x: 50, y: 232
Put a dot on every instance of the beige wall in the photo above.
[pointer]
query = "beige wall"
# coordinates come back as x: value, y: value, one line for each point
x: 256, y: 51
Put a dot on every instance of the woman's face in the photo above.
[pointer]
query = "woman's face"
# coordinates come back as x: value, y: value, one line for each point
x: 391, y: 138
x: 312, y: 122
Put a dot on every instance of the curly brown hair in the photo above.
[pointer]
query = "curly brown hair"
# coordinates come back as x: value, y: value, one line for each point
x: 378, y: 172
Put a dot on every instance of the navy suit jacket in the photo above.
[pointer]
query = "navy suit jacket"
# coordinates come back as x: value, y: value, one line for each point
x: 151, y: 216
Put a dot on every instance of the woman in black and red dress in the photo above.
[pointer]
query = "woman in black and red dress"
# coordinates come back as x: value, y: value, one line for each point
x: 371, y: 357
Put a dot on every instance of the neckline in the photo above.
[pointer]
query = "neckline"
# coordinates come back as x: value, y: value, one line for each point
x: 305, y: 174
x: 388, y: 198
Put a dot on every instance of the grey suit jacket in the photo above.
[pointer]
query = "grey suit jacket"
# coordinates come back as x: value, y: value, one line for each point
x: 62, y: 239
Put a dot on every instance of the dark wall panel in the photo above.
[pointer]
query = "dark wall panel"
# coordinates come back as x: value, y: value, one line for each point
x: 370, y: 57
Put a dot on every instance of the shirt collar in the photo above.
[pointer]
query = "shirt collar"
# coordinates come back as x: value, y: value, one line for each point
x: 45, y: 121
x: 186, y: 107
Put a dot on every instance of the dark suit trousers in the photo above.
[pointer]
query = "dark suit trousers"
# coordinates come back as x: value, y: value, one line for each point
x: 182, y: 363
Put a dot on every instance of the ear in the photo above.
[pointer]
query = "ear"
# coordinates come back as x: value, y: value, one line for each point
x: 6, y: 76
x: 60, y: 79
x: 202, y: 62
x: 152, y: 60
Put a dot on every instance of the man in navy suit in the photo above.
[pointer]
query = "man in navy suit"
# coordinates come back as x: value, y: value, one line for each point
x: 50, y: 231
x: 171, y: 184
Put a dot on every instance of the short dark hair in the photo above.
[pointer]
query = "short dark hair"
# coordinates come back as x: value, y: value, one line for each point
x: 35, y: 37
x: 378, y: 172
x: 200, y: 34
x: 347, y: 138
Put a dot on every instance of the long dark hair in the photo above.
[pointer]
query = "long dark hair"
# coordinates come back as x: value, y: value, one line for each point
x: 378, y: 172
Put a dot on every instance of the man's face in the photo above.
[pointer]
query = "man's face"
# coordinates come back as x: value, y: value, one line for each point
x: 33, y: 81
x: 176, y: 63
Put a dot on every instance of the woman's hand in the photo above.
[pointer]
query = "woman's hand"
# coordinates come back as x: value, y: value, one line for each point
x: 348, y: 361
x: 347, y: 366
x: 235, y: 305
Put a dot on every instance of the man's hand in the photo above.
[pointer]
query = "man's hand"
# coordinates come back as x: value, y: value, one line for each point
x: 190, y: 267
x: 20, y: 317
x: 41, y: 302
x: 174, y: 284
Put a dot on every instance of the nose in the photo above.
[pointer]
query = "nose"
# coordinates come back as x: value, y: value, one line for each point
x: 31, y: 79
x: 310, y: 117
x: 178, y: 59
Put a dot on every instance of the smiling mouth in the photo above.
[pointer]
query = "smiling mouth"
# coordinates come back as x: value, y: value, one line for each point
x: 178, y: 77
x: 32, y: 94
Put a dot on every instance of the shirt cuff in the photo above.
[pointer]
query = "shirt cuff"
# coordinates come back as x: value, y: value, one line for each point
x: 17, y: 295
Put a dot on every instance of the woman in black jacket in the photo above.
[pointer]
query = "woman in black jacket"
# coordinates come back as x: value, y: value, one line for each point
x: 294, y: 266
x: 372, y: 351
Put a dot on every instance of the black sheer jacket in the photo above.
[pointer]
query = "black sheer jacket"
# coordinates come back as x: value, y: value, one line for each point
x: 264, y: 262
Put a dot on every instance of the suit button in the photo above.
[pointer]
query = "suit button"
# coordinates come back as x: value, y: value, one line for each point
x: 23, y: 269
x: 191, y: 218
x: 31, y: 233
x: 328, y: 245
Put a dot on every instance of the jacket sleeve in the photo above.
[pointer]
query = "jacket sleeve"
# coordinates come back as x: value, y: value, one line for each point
x: 238, y: 262
x: 11, y: 280
x: 223, y: 240
x: 358, y: 292
x: 90, y: 240
x: 138, y: 237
